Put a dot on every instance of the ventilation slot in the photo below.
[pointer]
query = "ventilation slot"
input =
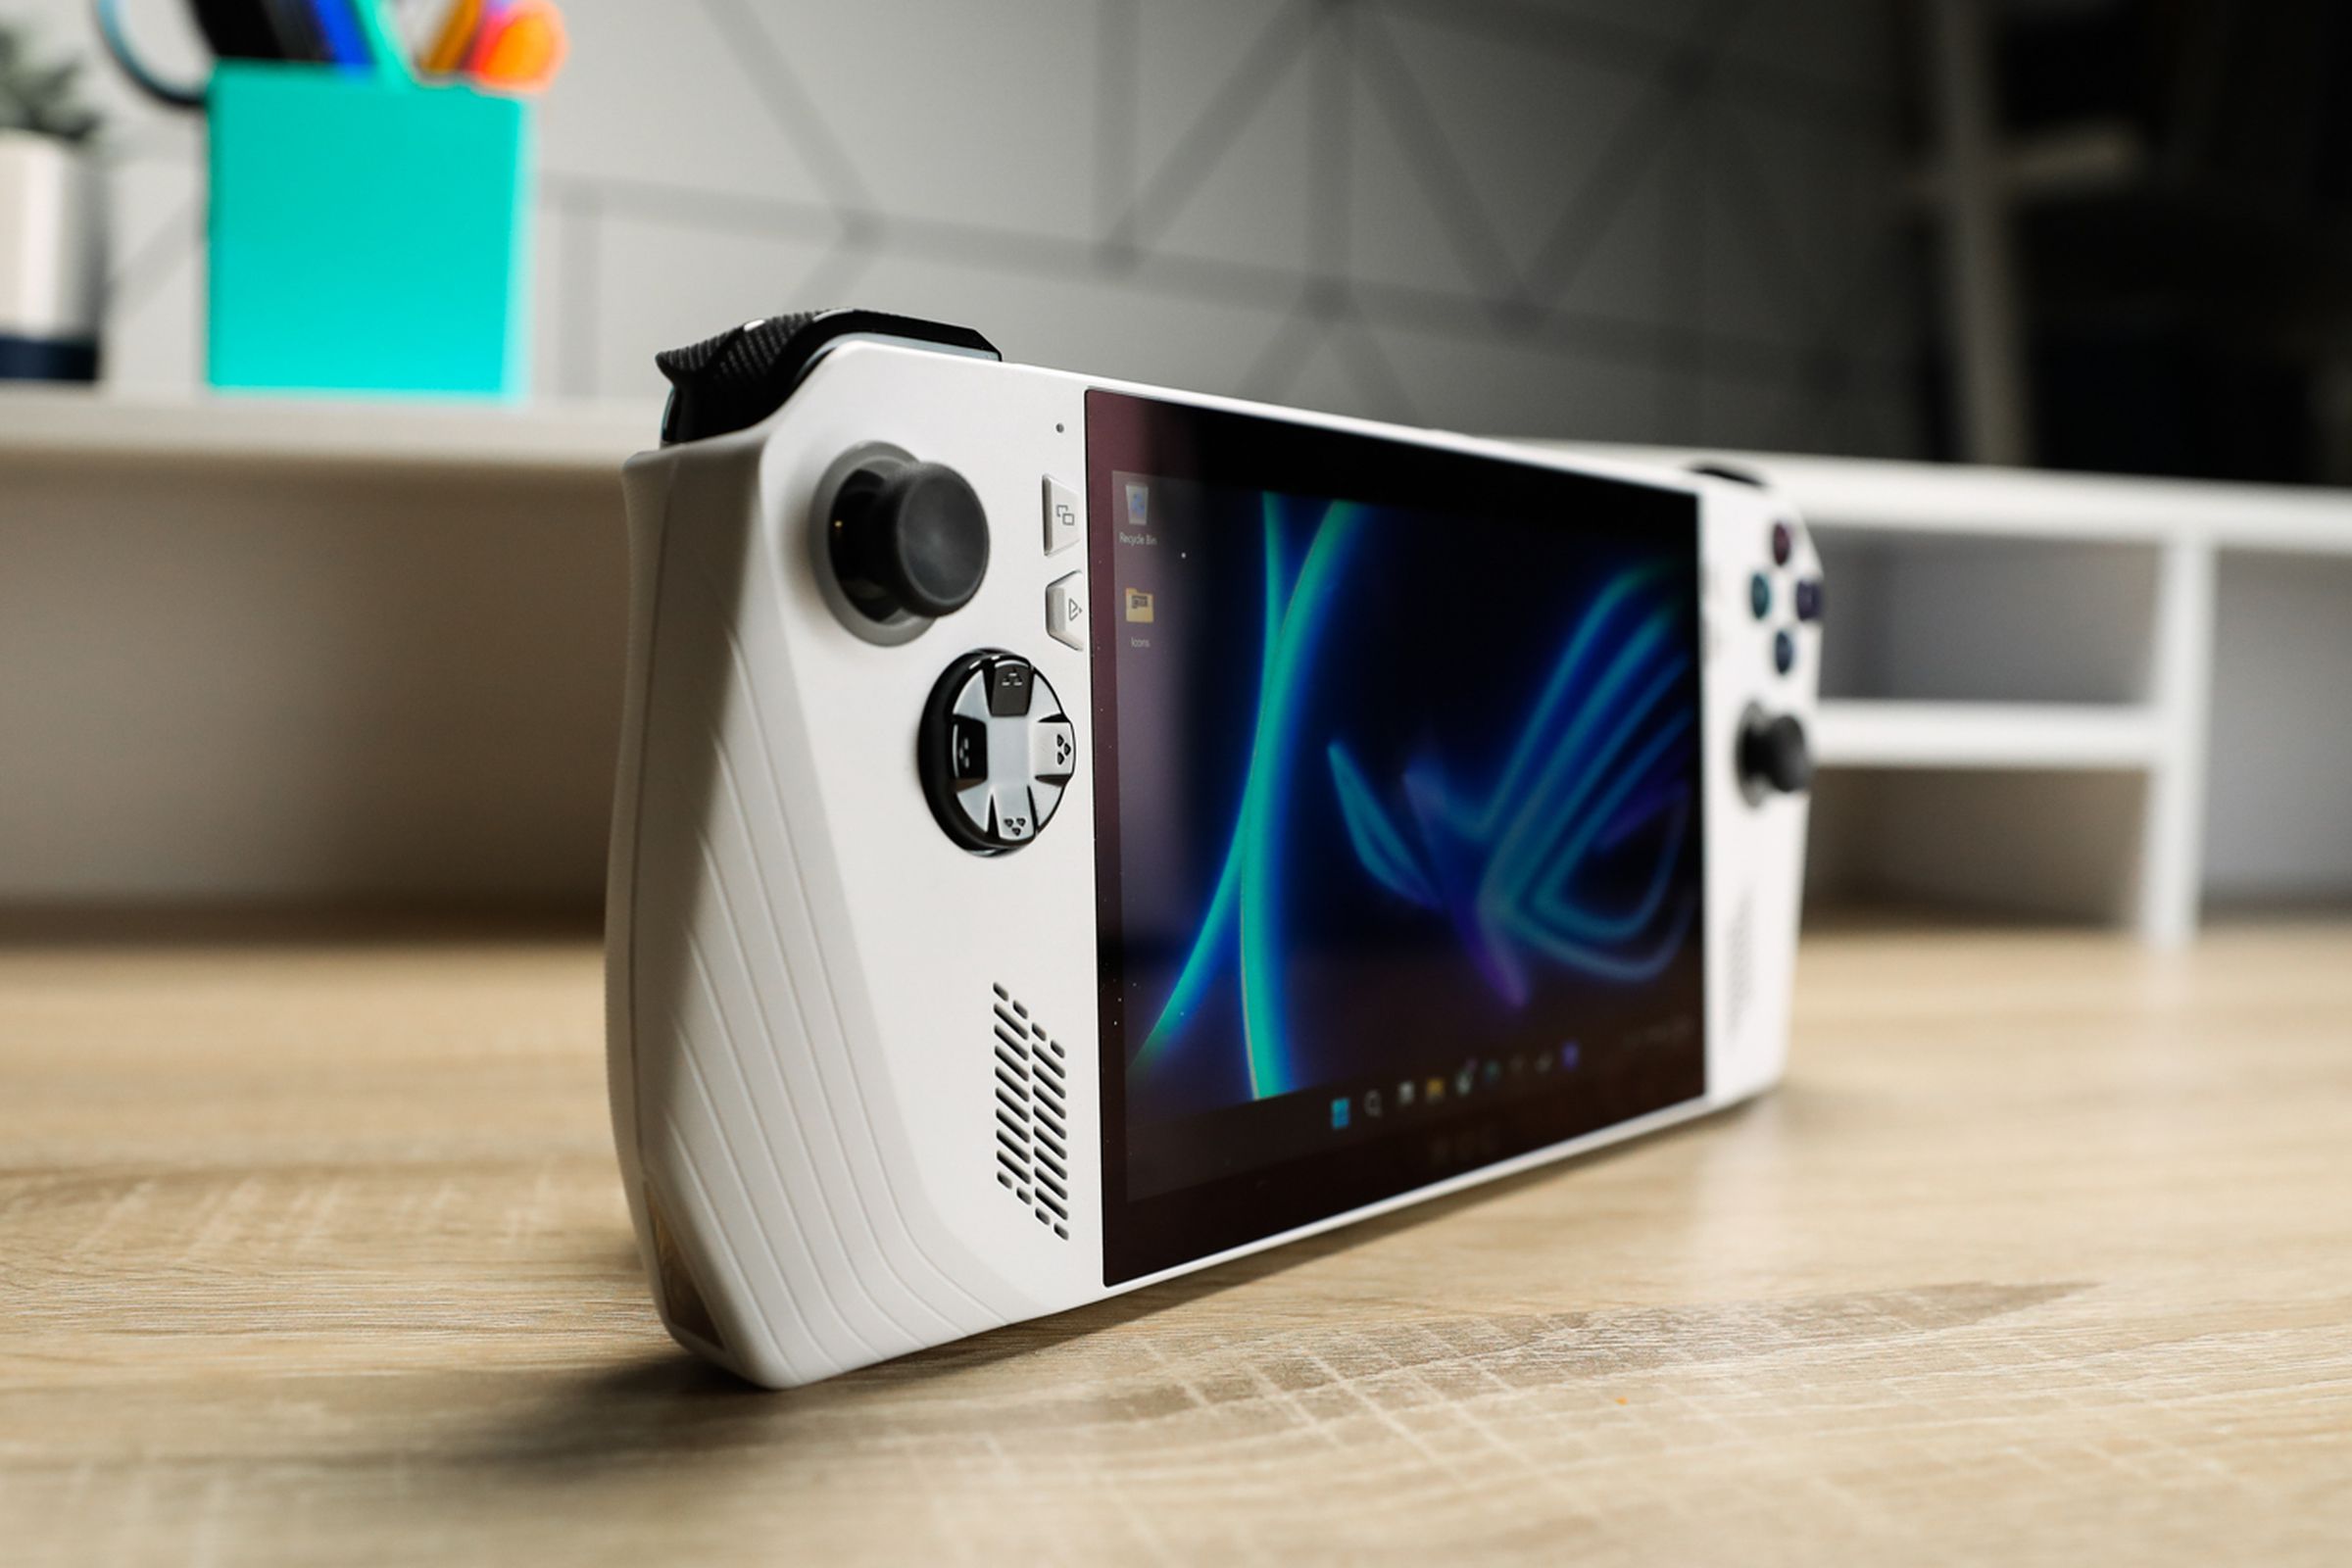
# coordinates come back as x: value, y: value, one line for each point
x: 1033, y: 1113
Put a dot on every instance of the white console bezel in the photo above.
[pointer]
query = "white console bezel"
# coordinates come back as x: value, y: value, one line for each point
x: 802, y: 964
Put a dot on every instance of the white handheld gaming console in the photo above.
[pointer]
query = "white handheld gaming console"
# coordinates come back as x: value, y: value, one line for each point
x: 1070, y: 833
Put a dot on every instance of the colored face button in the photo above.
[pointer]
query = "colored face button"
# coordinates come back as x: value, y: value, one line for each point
x: 1784, y: 652
x: 1759, y: 595
x: 1783, y: 544
x: 1808, y: 599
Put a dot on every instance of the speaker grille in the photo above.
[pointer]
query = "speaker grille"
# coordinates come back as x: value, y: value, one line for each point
x: 1033, y: 1114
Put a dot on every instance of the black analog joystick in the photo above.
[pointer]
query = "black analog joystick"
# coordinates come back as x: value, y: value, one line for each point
x: 1774, y: 755
x: 907, y: 538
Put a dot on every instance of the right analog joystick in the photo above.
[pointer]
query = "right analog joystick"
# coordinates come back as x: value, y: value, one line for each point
x: 907, y: 538
x: 1774, y: 754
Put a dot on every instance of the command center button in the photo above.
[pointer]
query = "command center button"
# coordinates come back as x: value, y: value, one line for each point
x: 1063, y: 522
x: 1052, y: 750
x: 1065, y: 610
x: 1008, y: 680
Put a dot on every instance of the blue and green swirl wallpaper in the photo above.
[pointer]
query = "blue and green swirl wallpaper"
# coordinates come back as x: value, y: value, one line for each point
x: 1395, y: 788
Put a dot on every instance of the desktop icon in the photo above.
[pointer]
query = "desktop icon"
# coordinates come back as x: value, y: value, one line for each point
x: 1434, y: 1091
x: 1404, y: 1092
x: 1139, y: 605
x: 1371, y: 1102
x: 1139, y: 504
x: 1339, y: 1113
x: 1494, y: 1073
x: 1568, y: 1057
x: 1463, y: 1080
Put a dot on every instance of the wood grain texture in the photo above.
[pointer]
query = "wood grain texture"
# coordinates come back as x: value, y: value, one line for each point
x: 313, y: 1250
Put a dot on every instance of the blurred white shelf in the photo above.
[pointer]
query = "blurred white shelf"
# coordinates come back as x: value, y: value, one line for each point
x: 54, y: 427
x: 278, y: 648
x: 2073, y: 692
x: 1862, y: 733
x: 1974, y: 500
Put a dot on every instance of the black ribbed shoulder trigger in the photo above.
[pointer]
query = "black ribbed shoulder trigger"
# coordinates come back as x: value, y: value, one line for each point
x: 744, y: 374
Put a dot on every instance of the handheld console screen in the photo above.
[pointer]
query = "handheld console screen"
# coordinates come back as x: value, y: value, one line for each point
x: 1399, y: 816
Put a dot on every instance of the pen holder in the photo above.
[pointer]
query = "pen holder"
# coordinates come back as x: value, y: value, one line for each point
x: 367, y: 235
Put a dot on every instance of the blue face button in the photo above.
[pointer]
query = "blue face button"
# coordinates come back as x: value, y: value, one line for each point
x: 1759, y: 595
x: 1784, y: 652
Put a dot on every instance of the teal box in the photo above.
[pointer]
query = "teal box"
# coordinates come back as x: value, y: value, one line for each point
x: 367, y: 235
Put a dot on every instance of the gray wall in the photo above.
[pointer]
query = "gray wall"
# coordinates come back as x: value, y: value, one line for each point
x: 1672, y: 221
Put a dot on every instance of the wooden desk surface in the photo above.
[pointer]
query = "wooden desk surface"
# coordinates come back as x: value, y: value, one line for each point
x: 315, y: 1252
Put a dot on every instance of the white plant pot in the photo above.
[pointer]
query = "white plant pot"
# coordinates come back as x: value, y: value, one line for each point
x: 52, y: 258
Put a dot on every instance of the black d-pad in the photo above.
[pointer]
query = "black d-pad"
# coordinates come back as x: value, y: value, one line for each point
x: 995, y: 752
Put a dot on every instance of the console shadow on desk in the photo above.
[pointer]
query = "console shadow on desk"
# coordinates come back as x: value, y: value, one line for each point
x: 696, y: 1401
x: 315, y: 1252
